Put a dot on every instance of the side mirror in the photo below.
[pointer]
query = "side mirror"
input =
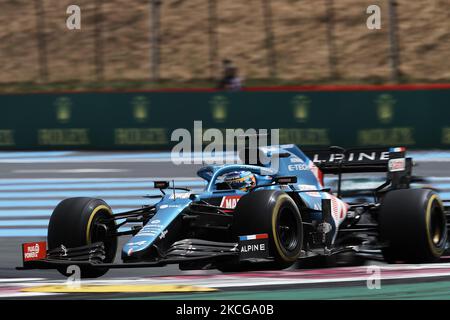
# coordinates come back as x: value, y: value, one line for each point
x: 286, y: 180
x: 161, y: 184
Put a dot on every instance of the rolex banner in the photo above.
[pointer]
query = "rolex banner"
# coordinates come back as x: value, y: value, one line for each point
x: 416, y: 119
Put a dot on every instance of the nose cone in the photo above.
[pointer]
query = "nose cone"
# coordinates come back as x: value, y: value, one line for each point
x: 134, y: 250
x: 154, y: 231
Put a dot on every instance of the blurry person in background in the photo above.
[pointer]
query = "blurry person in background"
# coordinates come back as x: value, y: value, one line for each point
x: 234, y: 82
x: 227, y: 64
x: 230, y: 80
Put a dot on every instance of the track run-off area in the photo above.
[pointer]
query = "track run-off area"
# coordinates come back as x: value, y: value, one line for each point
x: 32, y: 184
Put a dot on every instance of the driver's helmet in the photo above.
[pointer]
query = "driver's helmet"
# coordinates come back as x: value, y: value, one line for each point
x: 240, y: 180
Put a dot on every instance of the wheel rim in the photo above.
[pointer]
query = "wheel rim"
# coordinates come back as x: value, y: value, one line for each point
x: 288, y: 229
x: 100, y: 234
x: 437, y: 226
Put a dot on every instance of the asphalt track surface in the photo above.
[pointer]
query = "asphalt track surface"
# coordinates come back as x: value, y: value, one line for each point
x: 50, y: 177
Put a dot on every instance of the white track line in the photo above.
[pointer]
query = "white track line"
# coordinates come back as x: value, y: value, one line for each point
x: 27, y: 294
x: 101, y: 180
x: 216, y: 280
x: 86, y: 170
x: 249, y: 282
x: 6, y: 280
x: 187, y: 161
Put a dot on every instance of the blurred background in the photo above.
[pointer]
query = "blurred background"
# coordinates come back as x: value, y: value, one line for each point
x: 256, y: 64
x: 182, y: 43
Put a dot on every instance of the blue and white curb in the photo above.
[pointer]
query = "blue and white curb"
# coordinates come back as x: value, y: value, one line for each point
x: 26, y: 204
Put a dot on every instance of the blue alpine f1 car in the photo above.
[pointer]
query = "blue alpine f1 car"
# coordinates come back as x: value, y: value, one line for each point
x: 254, y: 217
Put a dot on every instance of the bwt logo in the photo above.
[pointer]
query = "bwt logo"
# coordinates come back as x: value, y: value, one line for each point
x: 221, y: 146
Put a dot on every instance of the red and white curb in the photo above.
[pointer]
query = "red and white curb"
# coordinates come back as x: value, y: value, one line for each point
x: 10, y: 288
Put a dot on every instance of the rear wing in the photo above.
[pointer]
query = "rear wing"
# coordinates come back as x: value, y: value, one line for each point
x: 393, y: 161
x: 335, y: 160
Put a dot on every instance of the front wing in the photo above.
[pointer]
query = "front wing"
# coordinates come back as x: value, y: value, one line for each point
x: 183, y: 251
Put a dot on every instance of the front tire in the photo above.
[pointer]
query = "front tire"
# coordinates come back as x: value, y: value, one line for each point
x: 74, y: 223
x: 275, y: 213
x: 413, y: 225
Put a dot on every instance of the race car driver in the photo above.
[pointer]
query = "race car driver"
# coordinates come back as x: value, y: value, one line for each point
x: 240, y: 180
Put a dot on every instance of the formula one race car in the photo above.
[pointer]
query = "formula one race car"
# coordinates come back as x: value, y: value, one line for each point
x: 254, y: 217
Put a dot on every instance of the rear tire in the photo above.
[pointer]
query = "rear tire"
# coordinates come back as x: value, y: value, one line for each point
x: 275, y: 213
x: 73, y: 224
x: 412, y: 222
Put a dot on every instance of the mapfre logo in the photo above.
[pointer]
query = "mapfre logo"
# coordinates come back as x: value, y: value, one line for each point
x: 229, y: 202
x: 34, y: 251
